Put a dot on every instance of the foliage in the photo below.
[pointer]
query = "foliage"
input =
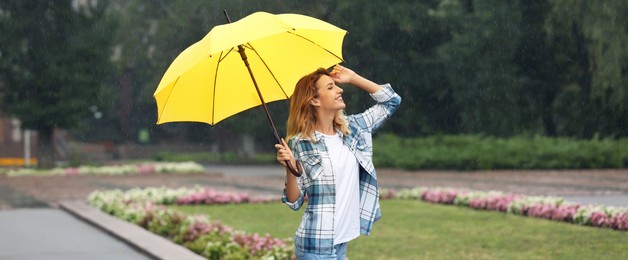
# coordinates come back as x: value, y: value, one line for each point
x: 120, y: 169
x: 150, y: 37
x: 210, y: 239
x: 462, y: 67
x: 591, y: 97
x: 465, y: 152
x: 553, y: 208
x: 498, y: 68
x: 406, y: 225
x: 53, y: 64
x: 607, y: 54
x: 475, y: 152
x: 478, y: 61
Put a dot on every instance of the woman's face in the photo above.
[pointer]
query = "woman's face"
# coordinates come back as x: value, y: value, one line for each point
x: 329, y: 95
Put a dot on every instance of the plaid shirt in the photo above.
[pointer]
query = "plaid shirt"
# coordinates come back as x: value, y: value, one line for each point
x: 316, y: 231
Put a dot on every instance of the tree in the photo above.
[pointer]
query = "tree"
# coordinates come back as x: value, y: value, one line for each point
x: 397, y: 42
x: 539, y: 65
x: 54, y: 62
x: 590, y: 40
x: 486, y: 83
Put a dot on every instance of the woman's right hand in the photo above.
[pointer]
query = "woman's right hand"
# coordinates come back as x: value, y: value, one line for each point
x: 284, y: 154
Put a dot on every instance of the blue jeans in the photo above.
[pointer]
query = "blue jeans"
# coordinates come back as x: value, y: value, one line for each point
x: 341, y: 253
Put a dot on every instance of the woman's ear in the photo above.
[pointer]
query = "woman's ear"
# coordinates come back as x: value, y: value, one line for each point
x: 315, y: 102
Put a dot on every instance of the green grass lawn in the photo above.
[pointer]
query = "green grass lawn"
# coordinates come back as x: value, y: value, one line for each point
x: 411, y: 229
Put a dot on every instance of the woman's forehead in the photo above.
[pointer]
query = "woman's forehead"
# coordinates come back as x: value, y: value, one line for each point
x: 324, y: 80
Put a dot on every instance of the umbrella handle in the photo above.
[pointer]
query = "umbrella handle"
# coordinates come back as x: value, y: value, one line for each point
x: 292, y: 170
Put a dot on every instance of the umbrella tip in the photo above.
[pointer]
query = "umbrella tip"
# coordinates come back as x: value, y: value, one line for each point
x: 226, y: 15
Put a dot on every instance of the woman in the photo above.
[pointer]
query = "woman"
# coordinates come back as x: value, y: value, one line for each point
x: 334, y: 154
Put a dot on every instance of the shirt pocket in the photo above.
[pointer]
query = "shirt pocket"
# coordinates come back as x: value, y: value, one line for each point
x: 359, y: 141
x: 362, y: 144
x: 313, y: 166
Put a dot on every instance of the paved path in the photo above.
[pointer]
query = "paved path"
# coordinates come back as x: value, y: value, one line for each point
x: 605, y: 187
x: 48, y: 233
x: 148, y: 243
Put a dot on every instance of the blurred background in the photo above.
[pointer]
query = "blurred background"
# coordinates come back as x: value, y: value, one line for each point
x: 77, y: 76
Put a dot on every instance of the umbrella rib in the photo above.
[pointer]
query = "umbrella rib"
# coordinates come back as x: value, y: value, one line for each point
x: 166, y: 102
x: 271, y: 72
x: 224, y: 57
x: 340, y: 58
x: 267, y: 68
x: 215, y: 80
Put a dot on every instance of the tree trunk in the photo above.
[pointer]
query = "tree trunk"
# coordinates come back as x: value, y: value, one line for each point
x: 549, y: 99
x: 46, y: 152
x: 126, y: 105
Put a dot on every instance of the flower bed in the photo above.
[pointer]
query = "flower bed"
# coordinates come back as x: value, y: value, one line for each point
x: 122, y: 169
x: 211, y: 239
x: 553, y: 208
x: 180, y: 196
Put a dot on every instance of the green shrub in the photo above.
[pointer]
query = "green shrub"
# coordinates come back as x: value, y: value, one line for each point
x: 475, y: 152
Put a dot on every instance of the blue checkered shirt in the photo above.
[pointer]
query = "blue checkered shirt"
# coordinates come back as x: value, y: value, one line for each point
x: 316, y: 231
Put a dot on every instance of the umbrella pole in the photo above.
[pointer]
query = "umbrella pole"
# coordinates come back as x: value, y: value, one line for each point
x: 270, y: 119
x: 259, y: 93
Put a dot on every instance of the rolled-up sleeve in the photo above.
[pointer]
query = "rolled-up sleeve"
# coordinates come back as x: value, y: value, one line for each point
x: 296, y: 205
x: 293, y: 205
x: 387, y: 103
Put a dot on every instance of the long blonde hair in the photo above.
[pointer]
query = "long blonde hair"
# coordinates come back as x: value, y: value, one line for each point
x: 302, y: 117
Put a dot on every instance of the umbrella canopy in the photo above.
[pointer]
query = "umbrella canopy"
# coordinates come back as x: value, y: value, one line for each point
x: 209, y: 82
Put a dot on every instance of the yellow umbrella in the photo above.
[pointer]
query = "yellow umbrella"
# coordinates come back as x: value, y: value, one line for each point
x: 244, y: 64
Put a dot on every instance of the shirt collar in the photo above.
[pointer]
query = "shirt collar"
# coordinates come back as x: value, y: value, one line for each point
x: 319, y: 136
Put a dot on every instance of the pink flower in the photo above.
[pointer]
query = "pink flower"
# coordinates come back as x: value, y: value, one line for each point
x: 477, y: 203
x: 220, y: 228
x: 439, y: 196
x: 145, y: 168
x: 209, y: 196
x: 200, y: 226
x: 494, y: 202
x: 72, y: 171
x: 256, y: 243
x: 565, y: 212
x: 541, y: 211
x: 600, y: 219
x: 620, y: 221
x: 186, y: 200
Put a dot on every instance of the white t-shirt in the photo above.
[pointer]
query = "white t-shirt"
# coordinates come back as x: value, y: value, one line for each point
x: 346, y: 169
